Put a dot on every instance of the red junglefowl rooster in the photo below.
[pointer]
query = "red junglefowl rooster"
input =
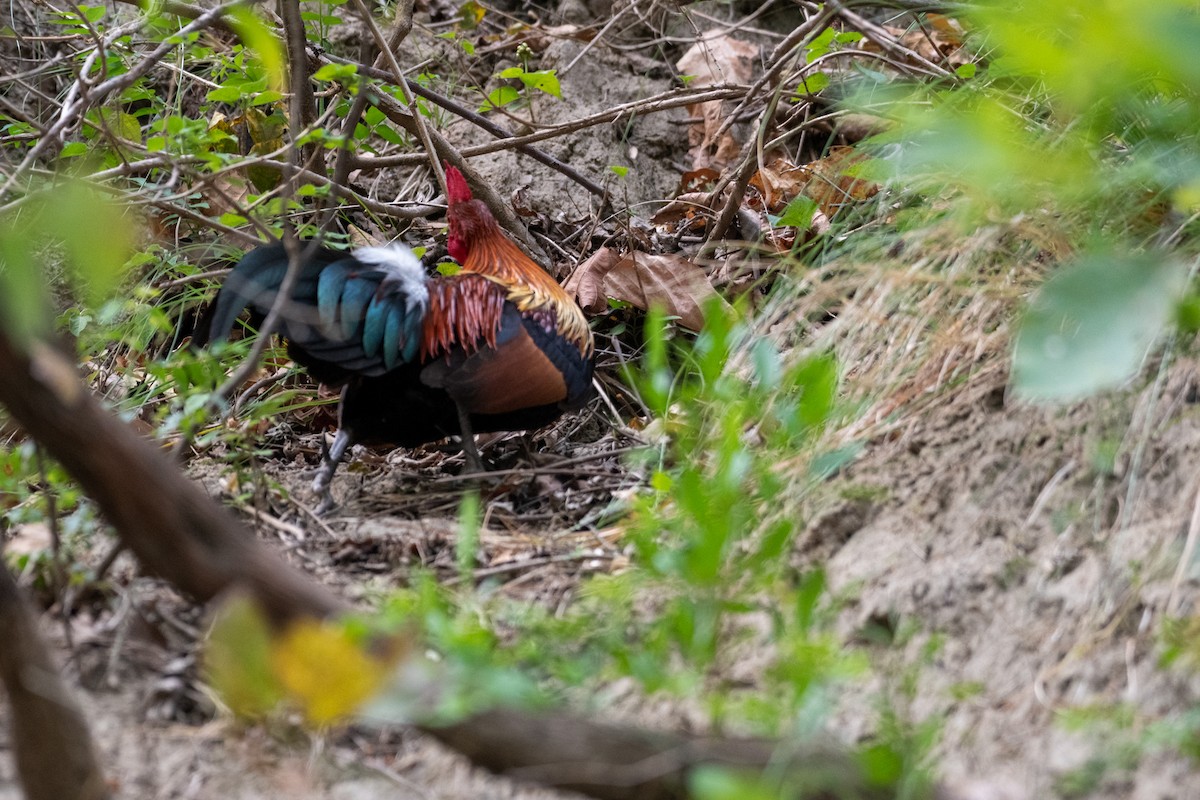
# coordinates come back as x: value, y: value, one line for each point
x: 498, y: 346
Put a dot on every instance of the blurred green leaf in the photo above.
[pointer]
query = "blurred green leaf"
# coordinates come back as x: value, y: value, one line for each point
x: 255, y: 34
x: 821, y: 44
x: 798, y: 213
x: 723, y: 783
x: 467, y: 540
x: 99, y: 237
x: 237, y: 659
x: 73, y: 149
x: 816, y: 379
x: 813, y: 83
x: 499, y: 97
x: 543, y: 80
x: 97, y: 240
x: 882, y: 765
x: 1187, y: 314
x: 342, y: 73
x: 225, y: 94
x: 1090, y: 326
x: 24, y: 305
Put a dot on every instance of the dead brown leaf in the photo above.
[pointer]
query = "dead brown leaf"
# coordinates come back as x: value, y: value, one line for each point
x: 779, y: 182
x: 695, y: 180
x: 832, y: 182
x: 686, y: 207
x: 940, y: 41
x: 678, y: 286
x: 723, y: 59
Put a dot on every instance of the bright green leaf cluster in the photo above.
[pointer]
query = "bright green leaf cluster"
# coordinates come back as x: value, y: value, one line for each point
x: 545, y: 80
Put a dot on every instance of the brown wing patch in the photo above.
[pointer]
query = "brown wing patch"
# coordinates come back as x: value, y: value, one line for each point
x: 515, y: 376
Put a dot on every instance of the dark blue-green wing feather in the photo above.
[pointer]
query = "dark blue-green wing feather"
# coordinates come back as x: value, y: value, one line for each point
x: 361, y: 311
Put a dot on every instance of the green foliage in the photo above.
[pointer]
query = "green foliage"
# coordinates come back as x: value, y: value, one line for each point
x: 96, y: 248
x: 1120, y: 738
x: 713, y: 577
x: 255, y: 34
x: 828, y: 40
x: 545, y: 80
x: 798, y: 213
x: 1093, y: 323
x: 1087, y: 113
x: 1085, y: 103
x: 474, y: 670
x: 711, y: 542
x: 711, y: 582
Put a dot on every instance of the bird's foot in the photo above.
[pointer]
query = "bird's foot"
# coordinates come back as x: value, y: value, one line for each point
x: 320, y: 487
x: 329, y: 462
x: 326, y: 505
x: 472, y: 463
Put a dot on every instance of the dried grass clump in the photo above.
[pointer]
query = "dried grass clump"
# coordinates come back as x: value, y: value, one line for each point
x: 916, y: 324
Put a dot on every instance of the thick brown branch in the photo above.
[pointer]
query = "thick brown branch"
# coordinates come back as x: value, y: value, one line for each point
x: 54, y: 752
x: 621, y: 763
x: 175, y: 529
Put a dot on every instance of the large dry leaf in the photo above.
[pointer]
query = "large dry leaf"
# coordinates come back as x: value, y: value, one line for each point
x: 722, y: 59
x: 670, y: 282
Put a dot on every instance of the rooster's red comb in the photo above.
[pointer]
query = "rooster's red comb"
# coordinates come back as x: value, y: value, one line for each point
x: 456, y: 186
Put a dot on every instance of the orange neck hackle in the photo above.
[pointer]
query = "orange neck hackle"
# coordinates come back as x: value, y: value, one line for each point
x: 476, y: 241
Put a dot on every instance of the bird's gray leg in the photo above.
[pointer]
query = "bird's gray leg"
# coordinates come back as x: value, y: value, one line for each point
x: 470, y: 452
x: 329, y: 465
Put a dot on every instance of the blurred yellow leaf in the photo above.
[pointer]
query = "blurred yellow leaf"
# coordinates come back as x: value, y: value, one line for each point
x: 470, y: 14
x: 325, y: 670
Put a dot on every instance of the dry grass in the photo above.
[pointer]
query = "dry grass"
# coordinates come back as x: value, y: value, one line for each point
x: 913, y: 326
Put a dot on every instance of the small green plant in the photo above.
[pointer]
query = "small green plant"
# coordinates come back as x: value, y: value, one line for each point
x: 545, y: 80
x: 711, y: 578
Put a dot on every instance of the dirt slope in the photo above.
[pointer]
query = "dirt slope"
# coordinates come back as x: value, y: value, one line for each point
x: 1043, y: 565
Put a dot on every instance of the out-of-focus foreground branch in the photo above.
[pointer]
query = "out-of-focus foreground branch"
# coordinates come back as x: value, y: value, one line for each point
x: 55, y: 756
